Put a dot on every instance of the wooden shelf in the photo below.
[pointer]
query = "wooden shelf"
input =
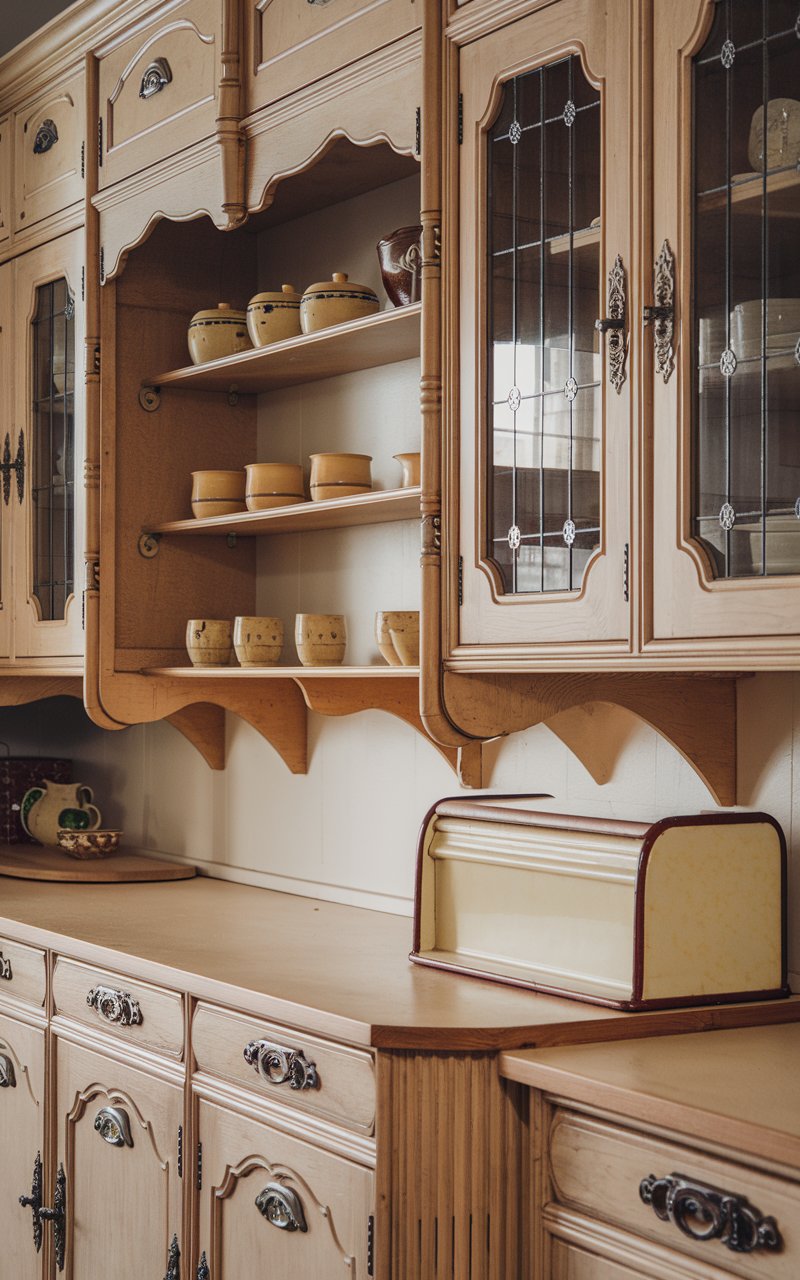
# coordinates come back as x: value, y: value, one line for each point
x: 333, y: 513
x: 749, y: 195
x: 286, y: 673
x: 580, y: 240
x: 385, y: 338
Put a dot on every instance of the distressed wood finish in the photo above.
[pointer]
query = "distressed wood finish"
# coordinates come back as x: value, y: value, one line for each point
x: 23, y: 975
x: 161, y: 1012
x: 22, y: 1136
x: 46, y: 182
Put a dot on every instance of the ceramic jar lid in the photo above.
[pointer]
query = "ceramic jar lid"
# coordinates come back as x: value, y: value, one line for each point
x: 287, y: 297
x: 340, y: 287
x: 223, y: 313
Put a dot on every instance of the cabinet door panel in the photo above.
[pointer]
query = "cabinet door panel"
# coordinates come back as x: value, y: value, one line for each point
x: 47, y: 435
x: 5, y: 179
x: 49, y: 135
x: 123, y: 1190
x: 273, y: 1205
x: 6, y: 434
x: 545, y: 437
x: 21, y: 1140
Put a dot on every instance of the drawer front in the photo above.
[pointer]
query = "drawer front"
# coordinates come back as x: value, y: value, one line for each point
x: 48, y: 154
x: 158, y: 89
x: 134, y: 1011
x: 295, y: 44
x: 598, y: 1168
x: 313, y: 1075
x: 22, y: 972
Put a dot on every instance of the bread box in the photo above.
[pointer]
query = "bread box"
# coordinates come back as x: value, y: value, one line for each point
x: 634, y: 915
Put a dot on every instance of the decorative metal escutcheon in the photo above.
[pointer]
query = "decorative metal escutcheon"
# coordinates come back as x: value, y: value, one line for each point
x: 115, y: 1006
x: 5, y: 968
x: 613, y: 326
x: 278, y: 1065
x: 58, y: 1216
x: 46, y: 137
x: 173, y: 1261
x: 708, y: 1213
x: 34, y: 1202
x: 281, y: 1207
x: 8, y: 1079
x: 114, y: 1127
x: 156, y: 77
x: 203, y: 1272
x: 662, y: 314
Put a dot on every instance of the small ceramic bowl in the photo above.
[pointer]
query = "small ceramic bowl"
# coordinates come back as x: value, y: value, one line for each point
x: 258, y: 642
x: 411, y: 469
x: 209, y: 641
x: 273, y: 317
x: 406, y: 646
x: 218, y: 332
x: 339, y: 475
x: 335, y: 302
x: 217, y: 493
x: 396, y: 622
x: 88, y: 844
x: 273, y: 484
x: 320, y: 639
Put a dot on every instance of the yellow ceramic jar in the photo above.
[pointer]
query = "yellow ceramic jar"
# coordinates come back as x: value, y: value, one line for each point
x: 339, y: 475
x: 273, y: 317
x: 217, y: 333
x: 335, y: 302
x: 217, y: 493
x: 320, y: 639
x: 273, y: 484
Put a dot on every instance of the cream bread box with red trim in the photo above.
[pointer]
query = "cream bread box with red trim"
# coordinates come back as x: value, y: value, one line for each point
x: 636, y: 915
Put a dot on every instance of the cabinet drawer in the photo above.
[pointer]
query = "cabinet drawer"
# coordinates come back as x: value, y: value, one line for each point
x: 135, y: 1011
x: 314, y: 1075
x: 295, y: 44
x: 158, y: 88
x: 22, y: 972
x: 49, y: 137
x: 597, y: 1168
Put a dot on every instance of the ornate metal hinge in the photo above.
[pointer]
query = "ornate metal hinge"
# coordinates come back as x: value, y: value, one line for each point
x: 707, y: 1213
x: 277, y: 1065
x: 281, y: 1207
x: 8, y: 1079
x: 662, y: 314
x: 460, y: 580
x: 118, y: 1007
x: 613, y: 326
x: 418, y: 132
x: 18, y: 465
x: 156, y: 77
x: 114, y: 1127
x: 460, y: 118
x: 180, y: 1150
x: 34, y: 1202
x: 58, y: 1216
x: 100, y: 141
x: 199, y: 1168
x: 370, y: 1245
x: 5, y: 968
x: 46, y: 137
x: 203, y: 1272
x: 626, y: 566
x: 173, y: 1261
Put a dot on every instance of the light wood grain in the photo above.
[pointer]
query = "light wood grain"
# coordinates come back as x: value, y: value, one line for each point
x: 47, y: 182
x: 161, y: 1012
x: 22, y: 1134
x: 24, y: 976
x: 31, y: 862
x: 331, y: 513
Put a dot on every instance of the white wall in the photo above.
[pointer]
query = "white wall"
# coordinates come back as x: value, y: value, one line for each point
x: 347, y: 830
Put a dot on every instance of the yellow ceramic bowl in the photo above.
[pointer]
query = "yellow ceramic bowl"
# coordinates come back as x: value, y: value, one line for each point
x: 209, y: 641
x: 391, y: 623
x: 258, y: 642
x: 411, y: 469
x: 217, y: 493
x: 320, y: 639
x: 335, y: 302
x: 273, y: 484
x: 339, y: 475
x: 273, y: 317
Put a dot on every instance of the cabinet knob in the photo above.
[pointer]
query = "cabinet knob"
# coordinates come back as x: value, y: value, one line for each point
x: 114, y: 1127
x: 34, y: 1202
x: 279, y: 1065
x: 8, y: 1079
x: 281, y: 1207
x: 708, y: 1213
x: 118, y: 1007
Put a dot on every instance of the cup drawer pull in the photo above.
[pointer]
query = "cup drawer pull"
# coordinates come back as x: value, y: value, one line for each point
x: 707, y: 1213
x: 115, y: 1006
x: 282, y: 1207
x: 278, y: 1065
x: 8, y: 1080
x: 114, y: 1127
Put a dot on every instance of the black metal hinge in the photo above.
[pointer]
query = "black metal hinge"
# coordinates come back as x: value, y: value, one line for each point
x: 460, y: 580
x: 460, y: 118
x: 370, y: 1246
x: 83, y: 284
x: 180, y: 1150
x: 626, y: 574
x: 83, y: 159
x: 199, y: 1179
x: 100, y: 140
x: 418, y: 134
x: 102, y: 265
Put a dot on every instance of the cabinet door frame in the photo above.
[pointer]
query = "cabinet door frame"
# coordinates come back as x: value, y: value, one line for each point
x: 6, y: 427
x: 727, y: 622
x: 25, y: 1045
x: 597, y: 618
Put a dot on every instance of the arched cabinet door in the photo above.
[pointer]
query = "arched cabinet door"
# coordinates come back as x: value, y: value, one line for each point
x: 273, y: 1205
x: 540, y: 537
x: 118, y: 1147
x: 22, y: 1145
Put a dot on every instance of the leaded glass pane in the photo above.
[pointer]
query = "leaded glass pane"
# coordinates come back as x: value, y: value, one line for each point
x: 52, y: 448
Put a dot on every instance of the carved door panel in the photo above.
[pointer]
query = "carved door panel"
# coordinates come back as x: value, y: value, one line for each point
x: 544, y: 397
x: 117, y: 1143
x: 273, y: 1205
x: 21, y: 1148
x: 7, y: 485
x: 48, y: 155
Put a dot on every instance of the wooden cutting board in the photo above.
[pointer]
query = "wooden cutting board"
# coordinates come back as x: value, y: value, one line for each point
x: 33, y: 862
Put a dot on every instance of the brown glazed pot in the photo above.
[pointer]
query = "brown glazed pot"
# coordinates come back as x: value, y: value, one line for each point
x: 400, y: 257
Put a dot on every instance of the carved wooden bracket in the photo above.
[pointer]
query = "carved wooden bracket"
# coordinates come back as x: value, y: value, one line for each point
x: 15, y: 690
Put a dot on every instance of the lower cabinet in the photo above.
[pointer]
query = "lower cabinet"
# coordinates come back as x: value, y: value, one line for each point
x: 273, y: 1205
x: 22, y: 1093
x: 118, y: 1134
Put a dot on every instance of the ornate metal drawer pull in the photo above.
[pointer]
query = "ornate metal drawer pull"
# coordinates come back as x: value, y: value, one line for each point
x: 115, y: 1006
x: 277, y: 1065
x: 280, y: 1206
x: 156, y: 77
x: 173, y: 1261
x: 662, y: 314
x: 46, y: 137
x: 114, y: 1127
x: 707, y: 1213
x: 614, y: 325
x: 8, y: 1079
x: 58, y: 1216
x: 34, y: 1202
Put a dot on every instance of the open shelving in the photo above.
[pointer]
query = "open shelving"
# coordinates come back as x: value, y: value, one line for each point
x: 381, y: 507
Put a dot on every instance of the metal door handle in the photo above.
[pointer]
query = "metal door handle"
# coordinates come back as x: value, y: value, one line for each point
x: 34, y: 1202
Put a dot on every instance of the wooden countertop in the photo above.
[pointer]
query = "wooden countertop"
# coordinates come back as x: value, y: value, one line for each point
x: 340, y: 971
x: 739, y: 1088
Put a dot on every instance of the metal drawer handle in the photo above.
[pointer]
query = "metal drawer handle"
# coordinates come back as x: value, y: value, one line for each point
x: 662, y: 314
x: 114, y: 1127
x: 282, y: 1207
x: 8, y: 1079
x: 278, y: 1065
x: 115, y: 1006
x: 46, y: 137
x: 707, y: 1213
x: 156, y: 77
x: 614, y: 325
x: 58, y: 1216
x: 34, y: 1202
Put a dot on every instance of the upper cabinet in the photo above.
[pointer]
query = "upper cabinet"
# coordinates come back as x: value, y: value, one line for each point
x: 726, y: 386
x: 49, y: 154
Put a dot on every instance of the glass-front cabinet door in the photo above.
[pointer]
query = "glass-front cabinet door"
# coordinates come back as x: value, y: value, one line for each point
x: 47, y: 486
x: 544, y: 399
x: 726, y: 343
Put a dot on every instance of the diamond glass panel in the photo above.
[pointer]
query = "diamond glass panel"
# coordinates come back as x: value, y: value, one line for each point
x: 544, y: 410
x: 52, y: 448
x: 746, y: 295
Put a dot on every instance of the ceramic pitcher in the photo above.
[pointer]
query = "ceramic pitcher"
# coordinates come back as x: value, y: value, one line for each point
x: 55, y: 804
